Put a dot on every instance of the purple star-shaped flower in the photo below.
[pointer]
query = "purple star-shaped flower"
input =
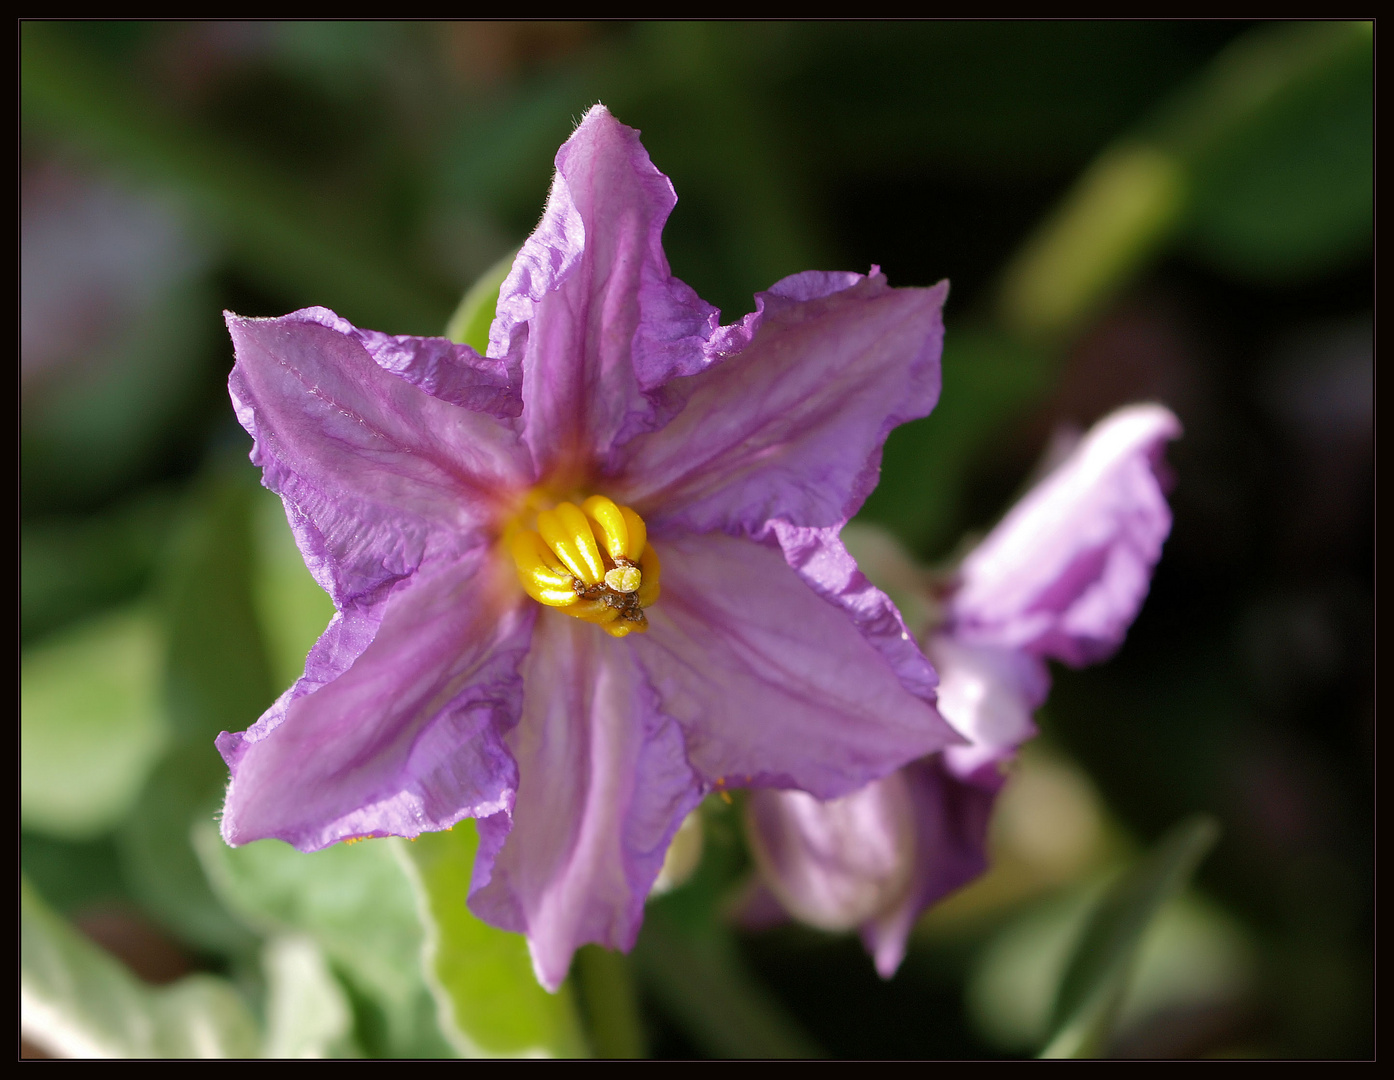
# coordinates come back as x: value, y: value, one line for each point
x: 491, y: 530
x: 1062, y: 576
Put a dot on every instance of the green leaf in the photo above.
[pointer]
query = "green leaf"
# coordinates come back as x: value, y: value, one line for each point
x: 90, y: 722
x: 218, y: 675
x: 1266, y: 159
x: 101, y: 425
x: 1096, y: 980
x: 611, y: 1002
x: 1289, y: 191
x: 73, y: 568
x: 488, y: 999
x: 307, y: 1013
x: 77, y: 1001
x: 292, y: 609
x: 217, y: 678
x: 357, y: 904
x: 276, y: 227
x: 158, y: 863
x: 989, y: 378
x: 472, y: 319
x: 73, y: 875
x: 1112, y: 221
x: 1011, y: 987
x: 696, y: 974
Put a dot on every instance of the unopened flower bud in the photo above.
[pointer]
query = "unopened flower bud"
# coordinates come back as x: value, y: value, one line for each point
x: 834, y: 864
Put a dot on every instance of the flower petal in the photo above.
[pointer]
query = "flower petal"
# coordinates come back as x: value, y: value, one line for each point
x: 792, y: 425
x: 772, y: 683
x: 590, y: 311
x: 441, y: 367
x: 834, y: 863
x: 408, y: 735
x: 988, y: 695
x: 377, y: 475
x: 951, y: 819
x: 827, y: 567
x: 1064, y: 573
x: 604, y: 785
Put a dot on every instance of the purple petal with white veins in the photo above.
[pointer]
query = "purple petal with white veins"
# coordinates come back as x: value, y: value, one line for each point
x: 405, y: 737
x: 791, y: 426
x: 1065, y: 572
x: 772, y: 683
x: 988, y: 695
x: 377, y: 475
x: 604, y: 785
x: 951, y: 819
x: 590, y: 311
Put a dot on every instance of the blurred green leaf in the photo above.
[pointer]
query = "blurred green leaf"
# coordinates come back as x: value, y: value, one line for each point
x: 472, y: 319
x: 91, y: 725
x: 278, y: 229
x: 979, y: 99
x: 1110, y: 223
x: 1289, y: 191
x: 73, y: 875
x: 217, y: 678
x: 100, y: 423
x: 218, y: 675
x: 611, y: 1003
x: 500, y: 155
x: 71, y: 567
x: 77, y: 1001
x: 1267, y: 158
x: 358, y: 905
x: 1195, y: 955
x: 989, y: 378
x: 698, y: 977
x: 292, y: 609
x: 488, y: 1000
x: 307, y: 1012
x: 688, y: 961
x: 158, y: 863
x: 1014, y: 977
x: 1096, y: 980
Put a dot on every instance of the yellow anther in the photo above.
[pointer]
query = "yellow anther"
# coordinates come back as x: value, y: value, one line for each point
x: 623, y: 579
x: 638, y: 534
x: 591, y: 562
x: 613, y: 531
x: 531, y: 555
x: 647, y: 594
x: 538, y: 570
x: 596, y: 611
x: 567, y: 532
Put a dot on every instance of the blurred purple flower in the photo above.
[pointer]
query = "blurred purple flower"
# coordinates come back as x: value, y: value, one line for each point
x: 433, y: 491
x: 1062, y: 576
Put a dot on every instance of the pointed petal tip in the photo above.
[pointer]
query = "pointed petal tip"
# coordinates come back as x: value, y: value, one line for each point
x: 1140, y: 423
x: 888, y: 958
x: 550, y: 975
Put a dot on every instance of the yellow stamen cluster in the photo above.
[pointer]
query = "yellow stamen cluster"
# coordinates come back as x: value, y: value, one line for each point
x: 592, y: 562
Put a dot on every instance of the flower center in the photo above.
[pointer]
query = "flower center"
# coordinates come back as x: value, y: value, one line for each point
x: 592, y: 562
